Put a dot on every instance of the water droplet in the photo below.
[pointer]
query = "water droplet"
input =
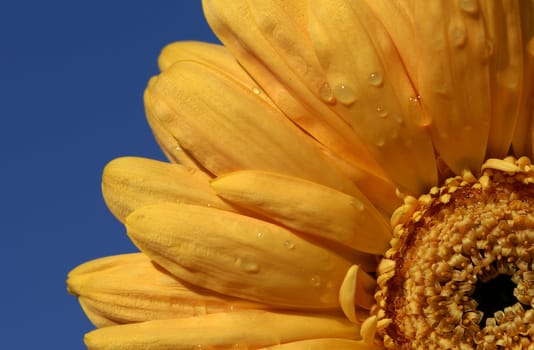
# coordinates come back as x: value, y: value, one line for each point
x: 508, y: 78
x: 394, y: 134
x: 325, y: 93
x: 382, y: 113
x: 178, y: 148
x: 357, y: 204
x: 240, y: 347
x: 249, y: 265
x: 256, y: 90
x: 316, y: 281
x: 380, y: 142
x: 469, y: 6
x: 457, y: 36
x: 344, y: 94
x: 376, y: 79
x: 415, y: 99
x: 487, y: 50
x: 289, y: 244
x: 398, y: 119
x: 259, y: 234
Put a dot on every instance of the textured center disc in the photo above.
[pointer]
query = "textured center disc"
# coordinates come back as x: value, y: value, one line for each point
x: 460, y: 270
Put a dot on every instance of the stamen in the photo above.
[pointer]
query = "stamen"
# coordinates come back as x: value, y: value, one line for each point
x: 460, y: 270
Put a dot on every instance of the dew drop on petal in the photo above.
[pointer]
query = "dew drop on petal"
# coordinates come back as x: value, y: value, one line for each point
x: 376, y: 79
x: 203, y: 347
x: 487, y: 50
x: 249, y: 265
x: 344, y: 94
x: 382, y: 113
x: 240, y: 346
x: 380, y: 142
x: 469, y: 6
x: 509, y: 78
x: 325, y: 93
x: 256, y: 90
x: 259, y: 234
x: 458, y: 36
x: 415, y: 99
x: 357, y: 204
x: 398, y: 119
x: 316, y: 281
x: 394, y: 134
x: 289, y: 244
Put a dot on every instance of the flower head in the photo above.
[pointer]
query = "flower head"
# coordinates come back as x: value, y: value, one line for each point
x: 343, y: 175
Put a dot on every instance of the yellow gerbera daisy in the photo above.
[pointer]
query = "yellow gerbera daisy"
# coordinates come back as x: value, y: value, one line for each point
x: 343, y: 175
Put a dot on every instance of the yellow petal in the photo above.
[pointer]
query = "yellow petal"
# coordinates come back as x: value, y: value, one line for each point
x: 226, y: 123
x: 454, y: 82
x: 522, y: 141
x: 369, y: 80
x: 308, y: 207
x: 130, y: 288
x: 381, y: 192
x: 325, y: 344
x: 276, y: 50
x: 238, y: 255
x: 168, y: 144
x: 356, y: 290
x: 129, y: 183
x: 506, y: 72
x: 368, y: 329
x: 242, y: 329
x: 397, y: 19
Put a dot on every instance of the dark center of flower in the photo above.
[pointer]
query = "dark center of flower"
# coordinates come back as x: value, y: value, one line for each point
x: 460, y: 270
x: 494, y: 295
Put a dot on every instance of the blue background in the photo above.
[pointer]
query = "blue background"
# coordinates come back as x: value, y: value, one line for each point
x: 72, y: 74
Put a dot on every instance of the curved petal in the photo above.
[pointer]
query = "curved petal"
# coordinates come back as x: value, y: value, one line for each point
x: 130, y: 288
x: 397, y: 19
x: 356, y: 291
x: 168, y: 144
x: 324, y: 344
x: 226, y: 123
x: 455, y: 84
x: 309, y: 208
x: 248, y: 329
x: 276, y: 50
x: 522, y: 141
x: 129, y: 183
x: 503, y: 23
x: 239, y: 256
x: 370, y: 81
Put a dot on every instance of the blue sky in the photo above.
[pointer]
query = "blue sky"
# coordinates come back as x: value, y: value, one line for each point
x: 72, y: 74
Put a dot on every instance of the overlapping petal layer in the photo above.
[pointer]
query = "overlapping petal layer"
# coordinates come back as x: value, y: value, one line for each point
x: 291, y: 142
x: 129, y: 183
x: 130, y: 288
x: 240, y: 256
x: 248, y: 329
x: 308, y: 207
x: 215, y: 129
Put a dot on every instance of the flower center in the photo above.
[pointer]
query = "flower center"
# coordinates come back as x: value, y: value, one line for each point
x: 495, y: 295
x: 460, y: 270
